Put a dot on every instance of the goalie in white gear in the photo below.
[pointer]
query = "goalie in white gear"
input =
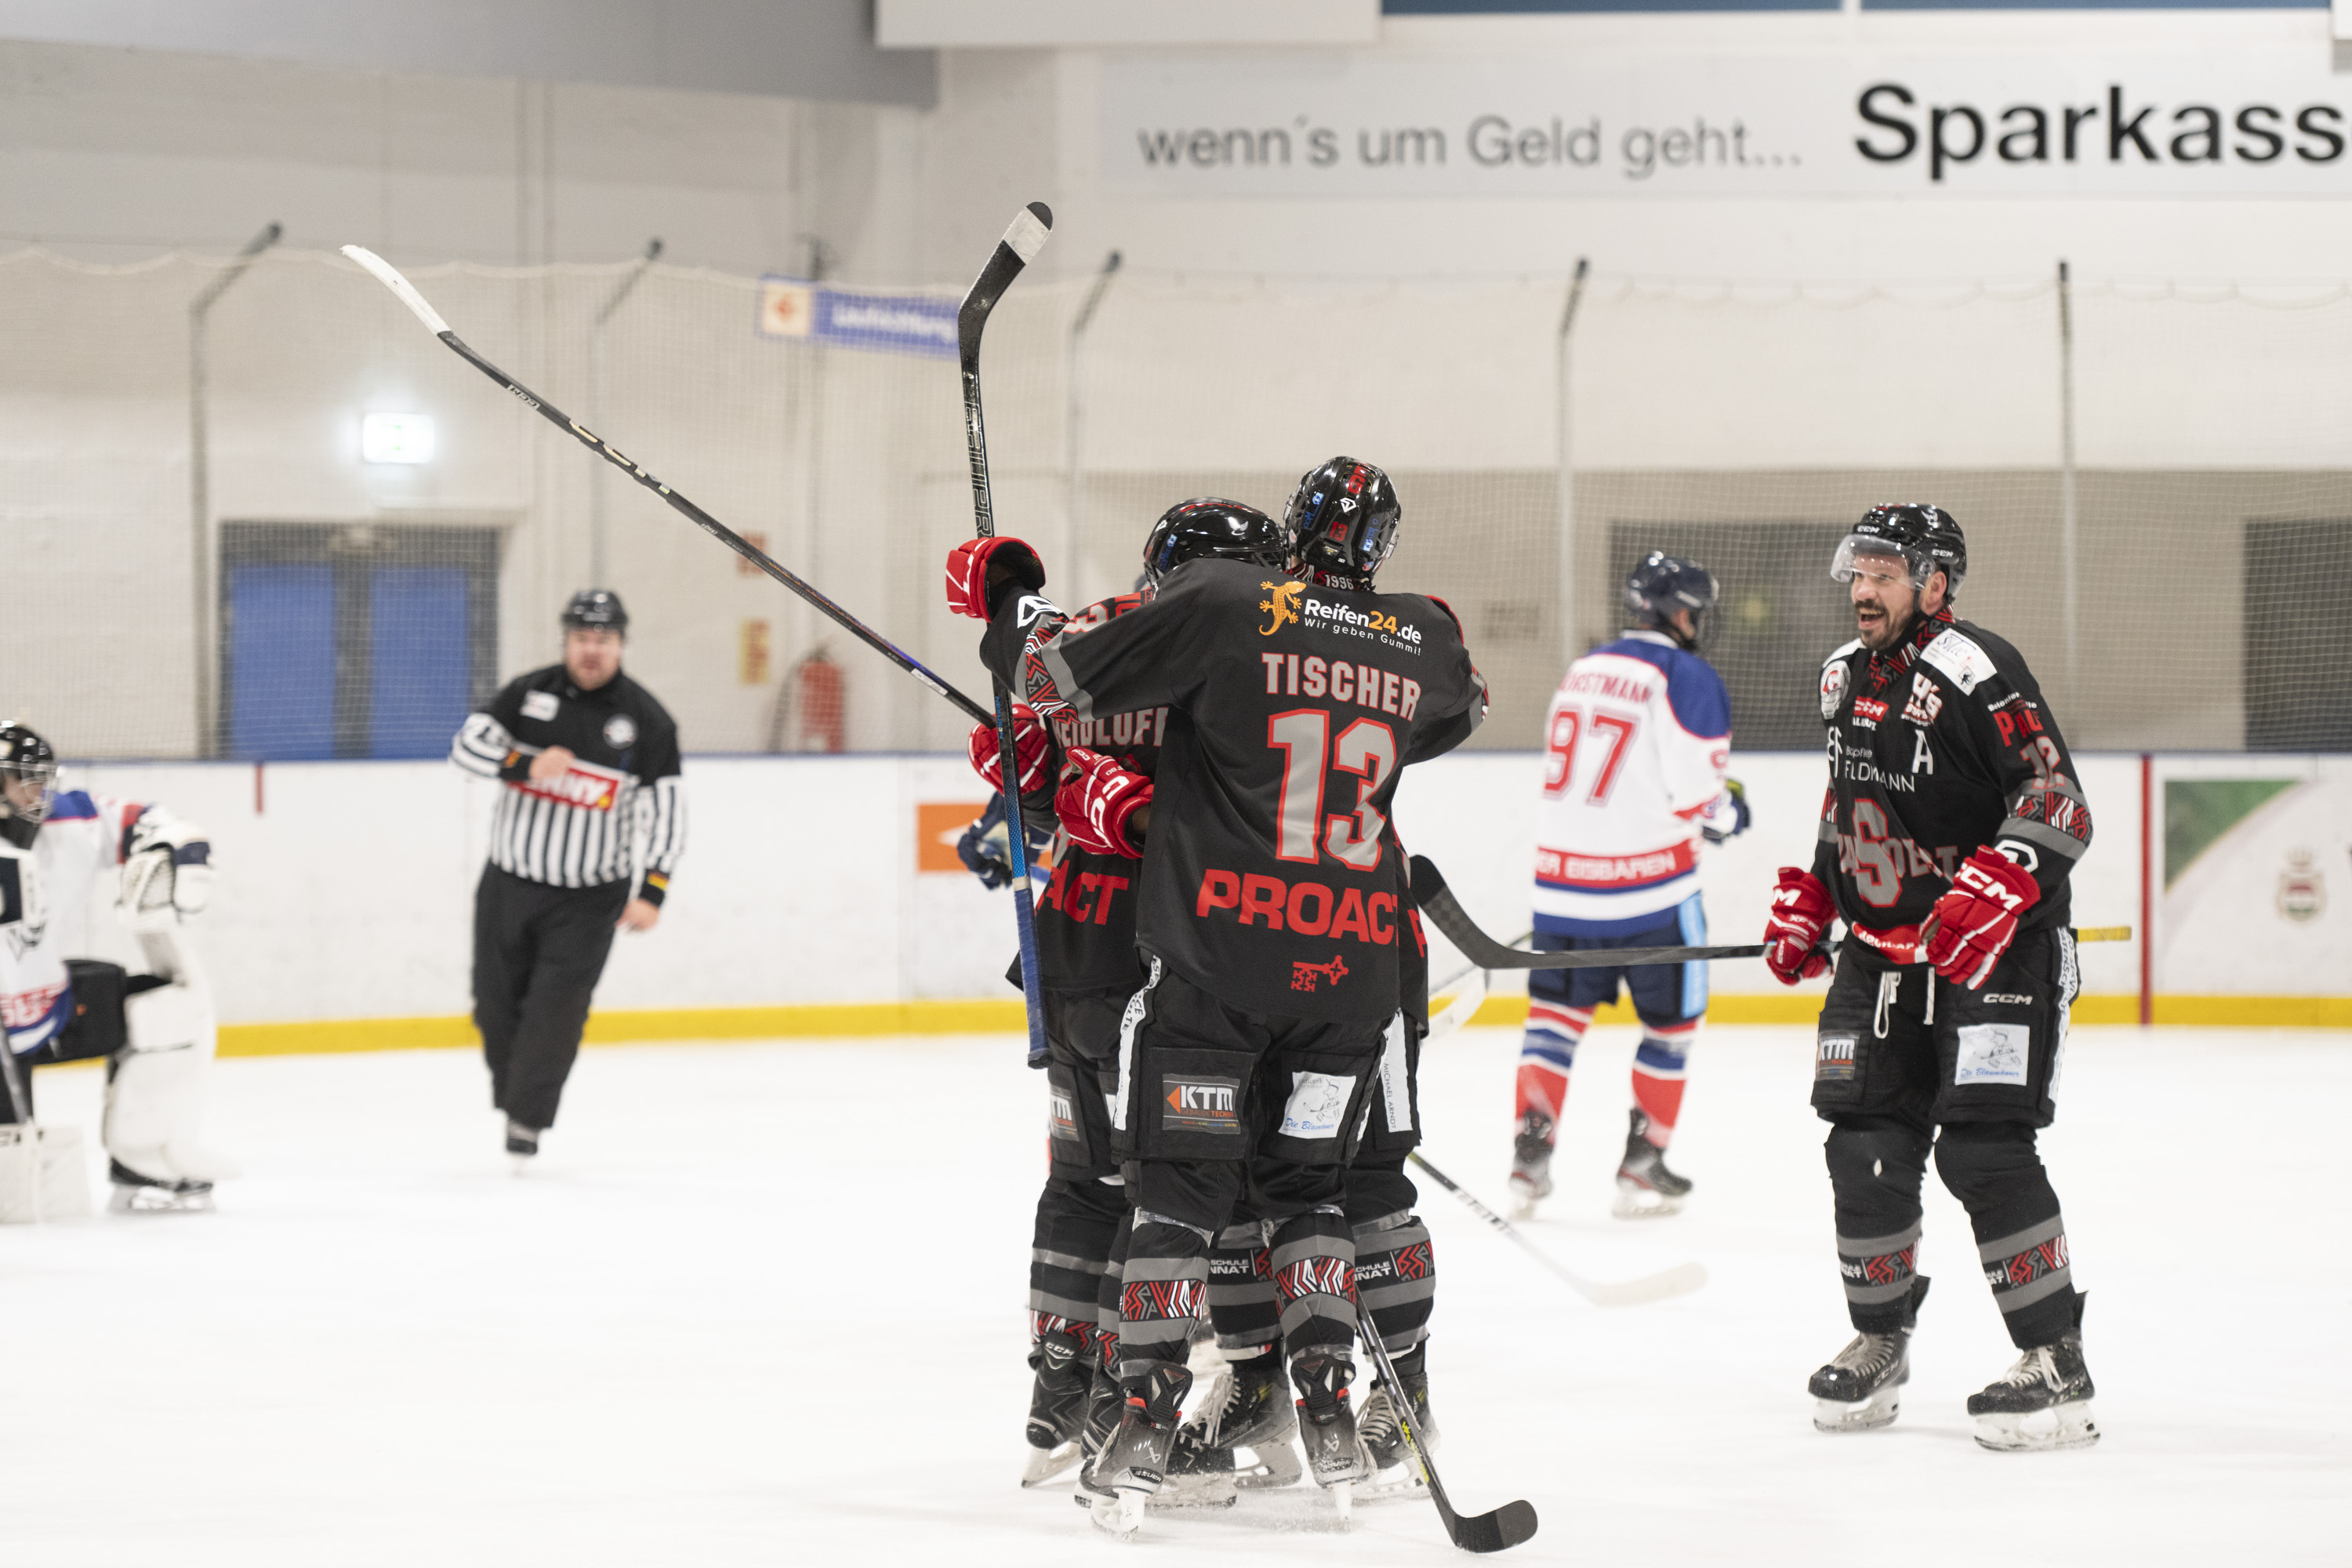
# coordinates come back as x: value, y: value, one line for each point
x: 155, y: 1029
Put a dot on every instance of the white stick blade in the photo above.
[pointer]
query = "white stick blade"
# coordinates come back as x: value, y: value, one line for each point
x: 1027, y: 235
x: 389, y: 276
x: 1680, y: 1281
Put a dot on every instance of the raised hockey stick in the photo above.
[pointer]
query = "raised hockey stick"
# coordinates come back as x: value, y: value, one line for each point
x: 1021, y: 243
x: 389, y: 276
x: 1499, y: 1530
x: 1680, y: 1281
x: 1437, y: 901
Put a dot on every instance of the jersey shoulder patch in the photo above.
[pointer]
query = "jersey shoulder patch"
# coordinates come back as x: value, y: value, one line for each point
x: 1961, y: 658
x: 1833, y: 679
x: 72, y: 805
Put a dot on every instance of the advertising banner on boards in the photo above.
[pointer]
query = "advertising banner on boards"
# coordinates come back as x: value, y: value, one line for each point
x: 2261, y: 121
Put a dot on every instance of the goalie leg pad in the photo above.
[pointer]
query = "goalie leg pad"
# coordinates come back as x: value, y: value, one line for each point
x: 154, y: 1095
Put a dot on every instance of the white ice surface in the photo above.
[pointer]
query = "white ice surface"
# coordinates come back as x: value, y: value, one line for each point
x: 762, y: 1304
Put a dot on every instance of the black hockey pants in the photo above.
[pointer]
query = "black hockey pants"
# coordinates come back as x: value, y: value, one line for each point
x: 1083, y: 1200
x: 1215, y: 1101
x: 1894, y: 1061
x: 538, y: 953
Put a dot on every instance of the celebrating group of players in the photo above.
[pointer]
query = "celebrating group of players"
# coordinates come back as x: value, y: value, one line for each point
x: 1235, y: 980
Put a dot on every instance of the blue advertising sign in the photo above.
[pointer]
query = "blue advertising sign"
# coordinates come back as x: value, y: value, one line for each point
x: 857, y: 319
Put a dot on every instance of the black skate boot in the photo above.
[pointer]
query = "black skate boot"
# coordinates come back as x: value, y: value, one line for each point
x: 1134, y: 1464
x: 2042, y: 1401
x: 1395, y: 1470
x: 1248, y: 1415
x: 1530, y: 1164
x: 1058, y: 1406
x: 1105, y: 1403
x: 522, y: 1144
x: 1645, y: 1188
x: 1326, y: 1423
x: 1862, y: 1388
x: 137, y: 1193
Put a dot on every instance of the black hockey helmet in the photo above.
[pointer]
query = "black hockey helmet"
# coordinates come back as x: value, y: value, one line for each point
x: 1342, y: 521
x: 1210, y: 525
x: 24, y: 756
x: 1927, y: 538
x: 598, y: 608
x: 1659, y: 584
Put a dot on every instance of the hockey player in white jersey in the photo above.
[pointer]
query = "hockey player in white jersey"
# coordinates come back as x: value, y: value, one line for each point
x: 1636, y: 745
x: 156, y: 1029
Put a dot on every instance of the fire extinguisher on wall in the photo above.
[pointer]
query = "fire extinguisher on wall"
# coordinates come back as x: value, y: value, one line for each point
x: 813, y: 707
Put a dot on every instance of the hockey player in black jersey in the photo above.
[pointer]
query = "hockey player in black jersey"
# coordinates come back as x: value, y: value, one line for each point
x: 1952, y: 821
x: 1088, y: 968
x: 1270, y: 924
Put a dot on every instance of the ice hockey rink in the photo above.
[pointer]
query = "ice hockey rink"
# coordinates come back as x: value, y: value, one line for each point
x: 762, y: 1304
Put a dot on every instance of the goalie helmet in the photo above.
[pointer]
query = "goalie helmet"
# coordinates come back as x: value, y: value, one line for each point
x: 596, y: 607
x: 1342, y: 523
x: 1209, y: 525
x: 1659, y: 584
x: 25, y: 757
x: 1927, y: 538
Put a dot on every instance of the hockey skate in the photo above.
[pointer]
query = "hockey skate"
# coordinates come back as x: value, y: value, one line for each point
x: 1862, y: 1388
x: 522, y: 1145
x: 137, y: 1193
x: 1105, y: 1404
x: 1395, y: 1464
x: 2042, y: 1401
x: 1645, y: 1188
x: 1327, y: 1424
x: 1057, y: 1406
x: 1530, y: 1164
x: 1247, y: 1414
x: 1133, y: 1464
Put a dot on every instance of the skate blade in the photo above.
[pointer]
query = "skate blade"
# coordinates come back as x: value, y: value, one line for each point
x: 2039, y: 1431
x: 1267, y: 1467
x: 1343, y: 1500
x: 1862, y: 1415
x: 157, y: 1200
x: 1044, y: 1465
x: 1635, y: 1201
x: 1120, y: 1514
x: 1195, y: 1492
x: 1403, y: 1480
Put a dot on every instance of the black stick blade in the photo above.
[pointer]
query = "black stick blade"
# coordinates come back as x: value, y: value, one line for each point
x: 1500, y: 1530
x: 1019, y: 245
x: 1445, y: 912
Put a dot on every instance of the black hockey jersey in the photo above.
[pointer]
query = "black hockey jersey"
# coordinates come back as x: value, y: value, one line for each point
x: 1086, y: 916
x: 1269, y: 874
x: 1937, y: 749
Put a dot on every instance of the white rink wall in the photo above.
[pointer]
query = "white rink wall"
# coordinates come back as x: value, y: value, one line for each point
x: 347, y: 893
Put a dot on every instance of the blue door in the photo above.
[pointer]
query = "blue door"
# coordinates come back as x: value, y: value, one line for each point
x: 282, y: 662
x: 420, y: 660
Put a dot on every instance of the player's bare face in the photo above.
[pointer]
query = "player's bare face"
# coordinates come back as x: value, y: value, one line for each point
x: 24, y: 795
x: 1884, y: 599
x: 591, y: 656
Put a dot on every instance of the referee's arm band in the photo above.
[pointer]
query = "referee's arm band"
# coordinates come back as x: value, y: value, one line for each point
x: 515, y: 767
x: 655, y: 888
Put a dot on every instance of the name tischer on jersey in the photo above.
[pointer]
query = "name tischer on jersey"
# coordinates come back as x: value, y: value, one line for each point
x: 1342, y: 681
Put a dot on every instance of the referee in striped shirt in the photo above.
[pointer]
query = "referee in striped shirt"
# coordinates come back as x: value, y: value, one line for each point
x: 589, y: 826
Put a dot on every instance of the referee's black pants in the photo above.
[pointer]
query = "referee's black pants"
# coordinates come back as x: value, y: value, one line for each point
x: 538, y: 951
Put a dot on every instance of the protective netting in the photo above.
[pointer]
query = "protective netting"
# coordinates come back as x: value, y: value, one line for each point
x: 377, y: 536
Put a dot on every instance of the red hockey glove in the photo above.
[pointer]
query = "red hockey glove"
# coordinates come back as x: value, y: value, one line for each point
x: 1975, y: 922
x: 1802, y: 912
x: 1095, y: 802
x: 969, y: 564
x: 1028, y: 738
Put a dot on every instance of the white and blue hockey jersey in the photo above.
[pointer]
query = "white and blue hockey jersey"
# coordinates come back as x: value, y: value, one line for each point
x: 45, y: 902
x: 1635, y: 749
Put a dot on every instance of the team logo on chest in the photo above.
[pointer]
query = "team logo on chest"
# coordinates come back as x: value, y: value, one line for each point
x: 1925, y: 701
x: 620, y: 732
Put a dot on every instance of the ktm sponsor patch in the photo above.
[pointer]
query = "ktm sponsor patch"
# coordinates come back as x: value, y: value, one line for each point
x: 1833, y: 1058
x: 1194, y: 1102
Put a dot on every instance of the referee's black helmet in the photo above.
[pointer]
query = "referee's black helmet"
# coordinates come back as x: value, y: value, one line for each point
x: 597, y: 607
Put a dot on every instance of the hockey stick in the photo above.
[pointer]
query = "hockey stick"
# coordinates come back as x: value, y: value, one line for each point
x: 386, y: 274
x: 1463, y: 1007
x: 1021, y: 243
x: 1499, y: 1530
x: 1680, y: 1281
x: 1436, y: 901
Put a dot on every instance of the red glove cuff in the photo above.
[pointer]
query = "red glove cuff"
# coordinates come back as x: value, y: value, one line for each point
x: 1029, y: 738
x: 969, y: 566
